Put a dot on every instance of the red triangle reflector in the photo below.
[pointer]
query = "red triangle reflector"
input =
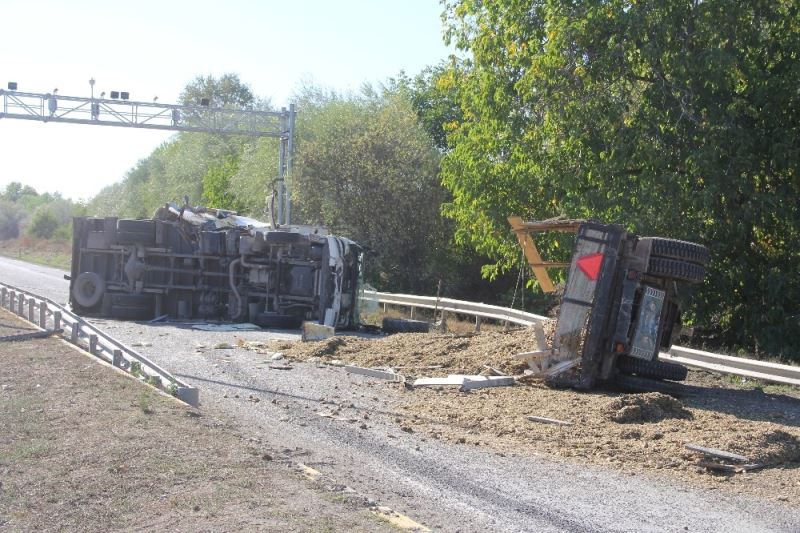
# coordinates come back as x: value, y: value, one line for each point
x: 590, y: 265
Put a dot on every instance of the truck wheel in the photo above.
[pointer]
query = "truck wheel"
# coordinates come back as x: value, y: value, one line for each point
x: 677, y: 270
x: 88, y: 289
x: 675, y: 249
x: 652, y: 369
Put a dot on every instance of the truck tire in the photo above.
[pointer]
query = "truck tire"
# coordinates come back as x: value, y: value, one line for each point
x: 652, y: 369
x: 136, y: 232
x: 675, y: 269
x: 400, y: 325
x: 88, y: 289
x: 675, y: 249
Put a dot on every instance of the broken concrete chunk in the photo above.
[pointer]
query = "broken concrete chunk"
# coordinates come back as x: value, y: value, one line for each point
x: 277, y: 356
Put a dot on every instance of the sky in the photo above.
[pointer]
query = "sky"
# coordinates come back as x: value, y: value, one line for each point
x: 151, y: 48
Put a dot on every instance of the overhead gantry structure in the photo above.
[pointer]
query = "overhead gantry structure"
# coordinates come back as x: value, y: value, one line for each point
x: 121, y: 112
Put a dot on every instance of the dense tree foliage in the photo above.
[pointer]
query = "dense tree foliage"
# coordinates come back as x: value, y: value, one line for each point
x: 23, y: 210
x: 674, y: 118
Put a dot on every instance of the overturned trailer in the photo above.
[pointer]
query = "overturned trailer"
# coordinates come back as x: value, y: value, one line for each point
x: 201, y: 263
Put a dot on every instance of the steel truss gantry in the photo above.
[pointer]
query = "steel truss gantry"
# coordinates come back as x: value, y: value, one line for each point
x: 51, y: 107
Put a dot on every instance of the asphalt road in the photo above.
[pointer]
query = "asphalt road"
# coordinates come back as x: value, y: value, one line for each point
x: 446, y: 487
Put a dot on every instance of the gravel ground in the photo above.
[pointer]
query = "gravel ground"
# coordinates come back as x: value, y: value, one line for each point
x: 446, y: 486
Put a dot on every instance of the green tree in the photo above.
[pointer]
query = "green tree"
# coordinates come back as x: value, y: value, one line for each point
x: 11, y: 219
x: 367, y: 169
x: 674, y: 118
x: 44, y: 224
x: 226, y: 91
x: 217, y: 184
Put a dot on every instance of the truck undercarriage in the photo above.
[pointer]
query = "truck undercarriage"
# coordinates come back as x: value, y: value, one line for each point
x: 210, y: 264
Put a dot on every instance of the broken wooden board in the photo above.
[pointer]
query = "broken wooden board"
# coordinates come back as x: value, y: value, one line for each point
x: 545, y: 420
x: 738, y: 469
x: 713, y: 452
x: 482, y: 382
x: 375, y: 373
x: 531, y: 254
x: 312, y: 331
x: 436, y: 382
x: 466, y: 382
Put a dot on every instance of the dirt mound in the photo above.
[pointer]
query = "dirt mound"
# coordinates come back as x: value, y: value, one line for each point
x: 426, y: 354
x: 644, y: 408
x: 769, y: 448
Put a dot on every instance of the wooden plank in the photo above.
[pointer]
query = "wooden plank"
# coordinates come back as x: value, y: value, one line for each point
x: 531, y: 254
x: 713, y: 452
x: 545, y: 420
x: 729, y: 468
x: 539, y: 354
x: 556, y: 225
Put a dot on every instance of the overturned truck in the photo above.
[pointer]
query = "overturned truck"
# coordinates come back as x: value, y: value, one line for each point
x: 210, y: 264
x: 621, y: 303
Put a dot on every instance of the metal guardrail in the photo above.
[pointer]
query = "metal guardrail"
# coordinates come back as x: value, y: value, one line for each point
x: 48, y: 315
x: 725, y: 364
x: 493, y: 312
x: 728, y: 364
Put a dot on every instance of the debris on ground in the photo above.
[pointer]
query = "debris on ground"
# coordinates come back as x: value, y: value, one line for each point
x: 375, y: 373
x: 631, y: 432
x: 466, y: 382
x: 241, y: 326
x: 442, y: 353
x: 545, y: 420
x: 312, y: 331
x: 643, y: 408
x: 224, y: 346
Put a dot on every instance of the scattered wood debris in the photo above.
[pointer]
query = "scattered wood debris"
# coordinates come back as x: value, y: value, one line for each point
x: 719, y: 454
x: 375, y: 373
x: 544, y: 420
x: 466, y: 382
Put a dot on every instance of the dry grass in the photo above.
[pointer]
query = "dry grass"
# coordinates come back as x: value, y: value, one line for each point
x: 46, y: 252
x: 85, y: 448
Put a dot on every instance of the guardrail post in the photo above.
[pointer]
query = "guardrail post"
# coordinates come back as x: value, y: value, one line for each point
x: 116, y: 359
x: 43, y: 315
x: 477, y: 323
x: 3, y: 292
x: 385, y: 307
x: 57, y: 320
x: 31, y: 309
x: 12, y: 297
x: 413, y: 312
x: 74, y: 334
x: 189, y: 395
x: 93, y: 344
x: 21, y: 305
